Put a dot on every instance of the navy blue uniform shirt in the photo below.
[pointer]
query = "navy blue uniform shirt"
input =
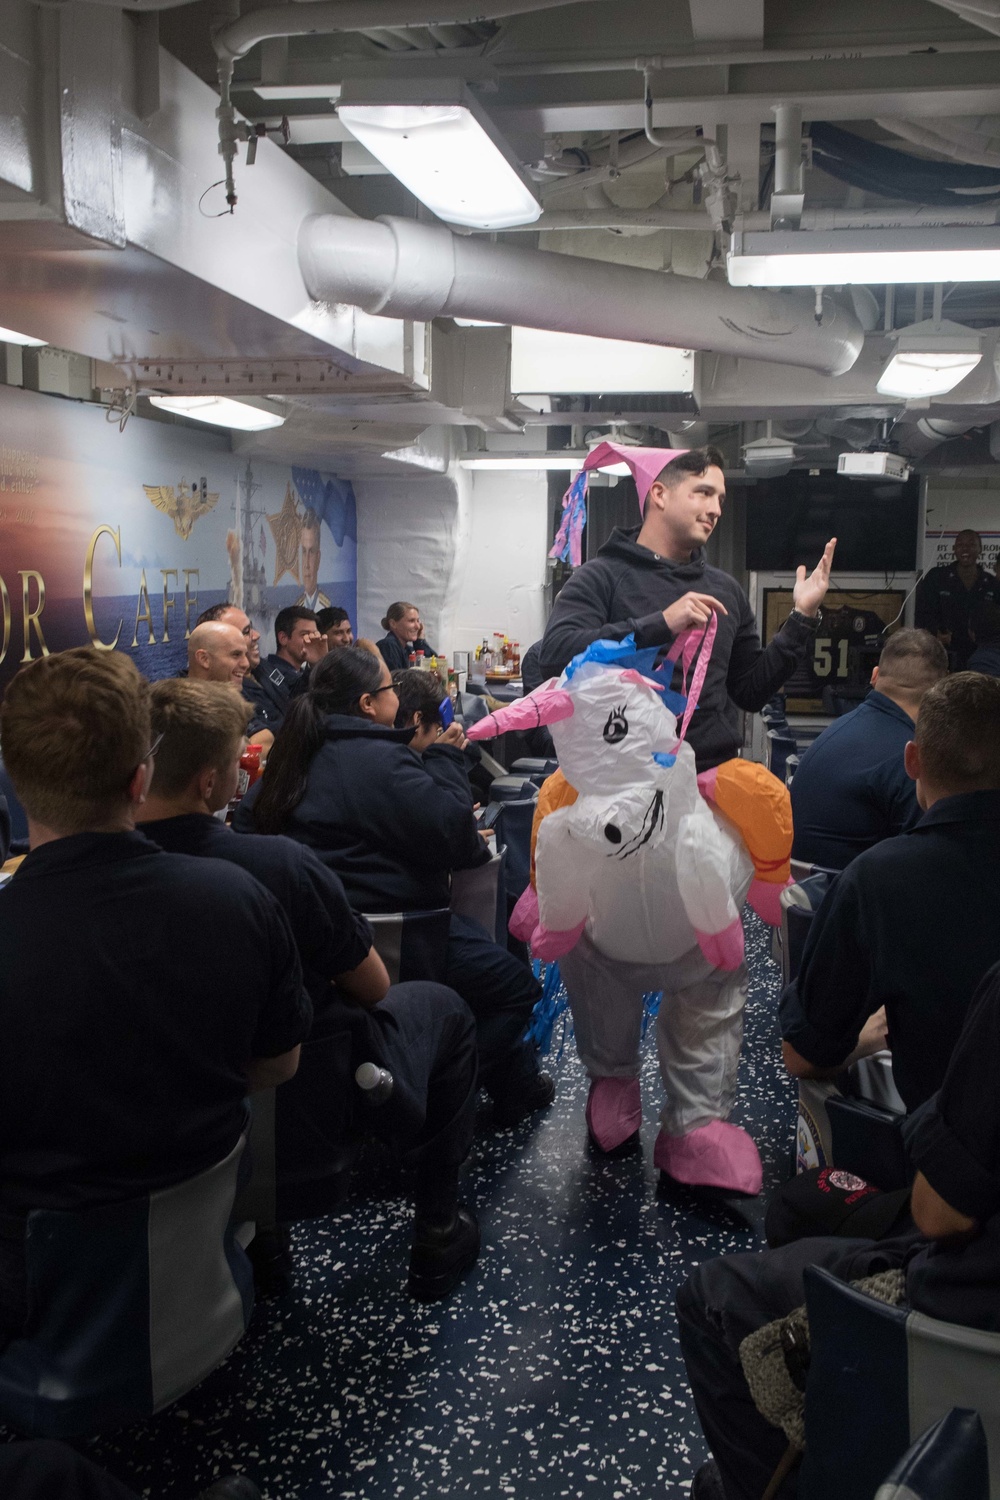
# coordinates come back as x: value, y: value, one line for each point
x: 912, y: 925
x: 944, y: 605
x: 851, y: 789
x: 957, y: 1147
x: 330, y: 937
x: 135, y: 987
x: 985, y: 658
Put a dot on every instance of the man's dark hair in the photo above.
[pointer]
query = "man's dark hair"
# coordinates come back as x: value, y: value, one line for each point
x: 214, y: 612
x: 912, y: 661
x: 986, y: 624
x: 285, y: 622
x: 419, y: 693
x: 694, y: 461
x: 337, y: 685
x: 958, y: 733
x: 332, y: 615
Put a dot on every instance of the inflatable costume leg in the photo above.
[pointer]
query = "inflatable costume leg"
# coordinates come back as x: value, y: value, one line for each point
x: 605, y: 997
x: 698, y: 1037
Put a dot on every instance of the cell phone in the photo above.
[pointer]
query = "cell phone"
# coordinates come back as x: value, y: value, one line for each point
x: 446, y: 710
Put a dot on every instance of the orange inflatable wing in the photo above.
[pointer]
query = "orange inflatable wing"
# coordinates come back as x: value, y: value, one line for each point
x: 555, y: 792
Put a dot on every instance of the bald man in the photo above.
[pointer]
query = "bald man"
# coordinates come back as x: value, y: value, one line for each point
x: 218, y: 653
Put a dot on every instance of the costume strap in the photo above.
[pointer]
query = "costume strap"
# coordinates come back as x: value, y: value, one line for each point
x: 693, y: 646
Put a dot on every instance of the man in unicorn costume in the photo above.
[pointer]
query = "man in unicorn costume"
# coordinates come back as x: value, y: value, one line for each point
x: 652, y: 582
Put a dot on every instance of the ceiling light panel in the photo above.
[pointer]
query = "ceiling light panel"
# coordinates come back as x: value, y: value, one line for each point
x: 865, y: 257
x: 573, y: 364
x: 9, y: 336
x: 437, y: 140
x: 931, y: 358
x: 220, y: 411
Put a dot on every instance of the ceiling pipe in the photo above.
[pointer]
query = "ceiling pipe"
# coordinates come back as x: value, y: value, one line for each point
x: 324, y: 17
x: 881, y: 218
x: 611, y: 217
x: 401, y: 268
x: 948, y: 139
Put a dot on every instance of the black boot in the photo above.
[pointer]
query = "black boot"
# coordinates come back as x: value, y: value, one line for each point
x: 441, y: 1256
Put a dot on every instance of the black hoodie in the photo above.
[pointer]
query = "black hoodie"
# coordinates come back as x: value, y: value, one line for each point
x: 626, y: 588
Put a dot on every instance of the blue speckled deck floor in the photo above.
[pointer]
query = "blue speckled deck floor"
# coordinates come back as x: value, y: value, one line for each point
x: 554, y: 1372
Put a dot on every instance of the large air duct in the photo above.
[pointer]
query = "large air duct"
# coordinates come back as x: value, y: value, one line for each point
x: 402, y: 269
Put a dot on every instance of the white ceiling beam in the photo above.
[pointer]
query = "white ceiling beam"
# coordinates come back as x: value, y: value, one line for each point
x: 727, y: 20
x: 748, y: 109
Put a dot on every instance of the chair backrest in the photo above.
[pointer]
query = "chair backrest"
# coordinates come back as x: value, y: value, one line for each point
x: 950, y: 1461
x: 480, y: 894
x: 412, y: 944
x: 513, y: 789
x: 878, y: 1377
x: 536, y: 768
x: 799, y: 904
x: 513, y: 824
x: 132, y: 1304
x: 779, y: 748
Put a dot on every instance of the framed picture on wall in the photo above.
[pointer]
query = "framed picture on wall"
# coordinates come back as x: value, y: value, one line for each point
x: 844, y: 649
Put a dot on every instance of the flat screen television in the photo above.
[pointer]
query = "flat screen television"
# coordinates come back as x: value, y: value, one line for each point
x: 791, y: 518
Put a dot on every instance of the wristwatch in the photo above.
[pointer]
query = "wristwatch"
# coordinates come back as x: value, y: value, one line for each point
x: 811, y: 621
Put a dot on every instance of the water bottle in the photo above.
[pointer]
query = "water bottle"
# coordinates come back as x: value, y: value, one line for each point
x: 374, y: 1082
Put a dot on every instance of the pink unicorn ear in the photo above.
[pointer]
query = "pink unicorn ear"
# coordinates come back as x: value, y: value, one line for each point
x: 545, y: 705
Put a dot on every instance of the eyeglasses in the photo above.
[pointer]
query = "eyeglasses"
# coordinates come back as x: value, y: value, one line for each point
x: 390, y: 687
x: 154, y: 747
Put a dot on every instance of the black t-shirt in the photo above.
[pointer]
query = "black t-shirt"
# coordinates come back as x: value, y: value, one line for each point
x: 943, y: 604
x: 331, y: 938
x: 135, y: 987
x: 912, y: 925
x: 957, y: 1147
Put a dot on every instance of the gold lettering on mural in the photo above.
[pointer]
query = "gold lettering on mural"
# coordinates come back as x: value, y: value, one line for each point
x: 88, y: 587
x: 18, y: 471
x: 32, y: 617
x: 168, y: 599
x: 143, y: 614
x: 6, y: 618
x: 190, y: 597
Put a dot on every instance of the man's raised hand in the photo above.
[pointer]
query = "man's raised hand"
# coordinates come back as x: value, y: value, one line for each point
x: 809, y: 593
x: 692, y: 610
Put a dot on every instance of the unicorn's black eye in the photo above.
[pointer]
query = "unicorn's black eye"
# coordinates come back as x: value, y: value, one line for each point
x: 612, y: 834
x: 616, y: 728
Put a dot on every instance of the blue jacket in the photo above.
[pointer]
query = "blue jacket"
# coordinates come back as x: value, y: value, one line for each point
x: 851, y: 789
x: 392, y: 824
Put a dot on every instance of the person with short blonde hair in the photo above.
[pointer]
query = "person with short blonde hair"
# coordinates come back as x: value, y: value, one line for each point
x: 420, y: 1032
x: 75, y: 736
x: 141, y: 995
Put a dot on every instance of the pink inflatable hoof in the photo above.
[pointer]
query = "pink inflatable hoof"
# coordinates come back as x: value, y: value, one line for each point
x: 724, y: 950
x: 765, y: 899
x: 548, y: 944
x: 718, y: 1155
x: 614, y: 1111
x: 524, y: 917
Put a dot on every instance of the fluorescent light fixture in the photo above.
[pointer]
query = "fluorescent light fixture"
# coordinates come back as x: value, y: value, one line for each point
x: 866, y: 257
x: 931, y: 358
x: 437, y: 140
x: 9, y: 336
x: 575, y: 363
x: 330, y: 91
x: 220, y: 411
x: 511, y: 462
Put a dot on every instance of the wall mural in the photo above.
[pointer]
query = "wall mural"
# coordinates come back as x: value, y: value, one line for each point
x: 121, y: 538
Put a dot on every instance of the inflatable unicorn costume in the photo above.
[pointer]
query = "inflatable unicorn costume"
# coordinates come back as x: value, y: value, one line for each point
x: 641, y: 868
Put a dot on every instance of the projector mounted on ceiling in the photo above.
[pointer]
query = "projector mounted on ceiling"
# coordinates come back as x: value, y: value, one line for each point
x: 874, y: 466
